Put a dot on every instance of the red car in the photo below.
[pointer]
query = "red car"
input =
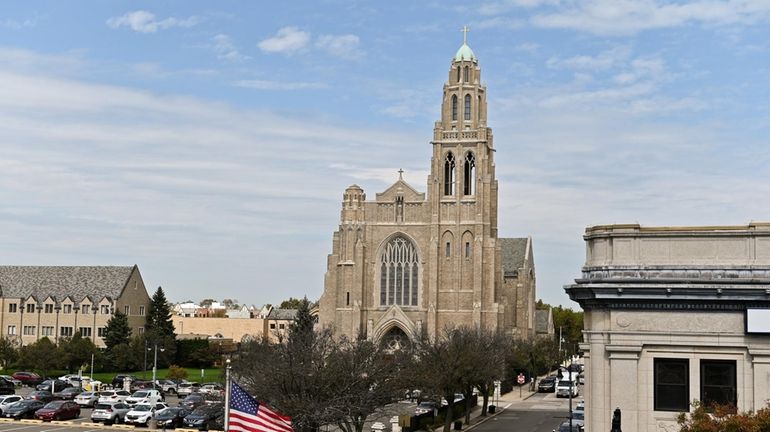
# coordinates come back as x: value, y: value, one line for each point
x: 28, y: 378
x: 58, y: 410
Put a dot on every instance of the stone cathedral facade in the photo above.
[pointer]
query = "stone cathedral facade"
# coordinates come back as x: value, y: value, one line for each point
x: 410, y: 262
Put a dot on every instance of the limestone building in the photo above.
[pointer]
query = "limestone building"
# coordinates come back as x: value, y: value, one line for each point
x: 411, y: 261
x: 672, y: 315
x: 55, y: 302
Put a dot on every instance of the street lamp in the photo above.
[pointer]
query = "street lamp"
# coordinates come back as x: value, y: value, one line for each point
x: 154, y: 363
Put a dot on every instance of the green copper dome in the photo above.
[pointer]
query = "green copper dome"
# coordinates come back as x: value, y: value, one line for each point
x: 465, y: 53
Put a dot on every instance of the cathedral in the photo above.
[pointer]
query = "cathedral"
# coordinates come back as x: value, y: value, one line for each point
x: 410, y: 262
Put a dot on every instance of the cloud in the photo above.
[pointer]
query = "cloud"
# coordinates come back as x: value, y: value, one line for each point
x: 280, y: 85
x: 146, y: 22
x: 18, y: 24
x: 342, y: 46
x: 627, y: 17
x: 602, y: 61
x: 288, y: 40
x: 225, y: 49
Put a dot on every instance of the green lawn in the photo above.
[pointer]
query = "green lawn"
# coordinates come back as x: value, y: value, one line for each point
x: 209, y: 375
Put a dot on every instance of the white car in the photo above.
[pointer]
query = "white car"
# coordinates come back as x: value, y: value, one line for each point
x: 87, y: 399
x: 187, y: 388
x: 112, y: 396
x: 6, y: 401
x: 142, y: 413
x: 144, y: 397
x: 212, y: 388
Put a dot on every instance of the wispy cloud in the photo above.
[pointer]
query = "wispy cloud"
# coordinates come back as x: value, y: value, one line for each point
x: 18, y: 24
x: 342, y: 46
x: 288, y: 40
x: 145, y: 22
x: 280, y: 85
x: 225, y: 49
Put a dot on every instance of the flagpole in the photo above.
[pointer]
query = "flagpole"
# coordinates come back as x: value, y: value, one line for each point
x: 227, y: 396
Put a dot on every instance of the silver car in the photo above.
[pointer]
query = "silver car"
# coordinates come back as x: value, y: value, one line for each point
x: 87, y: 399
x: 110, y: 412
x: 6, y: 401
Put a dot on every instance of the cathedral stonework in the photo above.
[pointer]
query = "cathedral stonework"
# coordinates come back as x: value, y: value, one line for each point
x: 410, y: 262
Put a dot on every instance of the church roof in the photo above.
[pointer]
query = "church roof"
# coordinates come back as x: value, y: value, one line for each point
x: 543, y: 321
x: 409, y: 193
x: 282, y: 314
x: 465, y: 53
x: 59, y: 282
x: 514, y: 251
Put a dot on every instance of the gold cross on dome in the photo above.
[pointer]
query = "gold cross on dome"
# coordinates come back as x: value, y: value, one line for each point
x: 465, y: 31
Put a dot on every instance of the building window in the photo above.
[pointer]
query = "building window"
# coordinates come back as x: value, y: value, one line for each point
x: 141, y: 310
x: 467, y: 107
x: 65, y: 331
x: 272, y: 326
x: 718, y: 382
x: 127, y: 310
x: 399, y: 267
x: 448, y: 250
x: 30, y: 308
x: 281, y: 326
x: 469, y: 173
x: 85, y: 308
x: 85, y: 331
x: 449, y: 174
x: 105, y: 309
x: 347, y: 298
x: 28, y: 330
x: 454, y: 107
x: 141, y: 330
x: 12, y: 307
x: 67, y: 309
x: 11, y: 330
x: 100, y: 332
x: 467, y: 249
x: 458, y: 73
x: 48, y: 308
x: 466, y: 74
x: 46, y: 330
x: 671, y: 382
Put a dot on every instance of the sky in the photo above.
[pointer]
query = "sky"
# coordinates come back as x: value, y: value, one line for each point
x: 210, y: 143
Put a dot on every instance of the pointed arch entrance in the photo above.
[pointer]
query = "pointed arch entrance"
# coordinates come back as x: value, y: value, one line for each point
x: 395, y: 339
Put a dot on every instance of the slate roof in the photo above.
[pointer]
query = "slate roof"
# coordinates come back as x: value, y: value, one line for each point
x: 514, y: 251
x: 77, y: 282
x: 543, y: 321
x: 282, y: 314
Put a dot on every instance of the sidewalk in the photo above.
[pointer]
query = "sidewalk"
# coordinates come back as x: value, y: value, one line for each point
x: 501, y: 404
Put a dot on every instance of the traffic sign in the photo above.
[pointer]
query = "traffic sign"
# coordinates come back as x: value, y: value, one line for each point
x: 520, y: 379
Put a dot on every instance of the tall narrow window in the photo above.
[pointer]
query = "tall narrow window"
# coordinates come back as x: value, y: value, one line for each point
x: 671, y: 384
x: 466, y: 75
x: 469, y: 174
x: 448, y: 251
x: 347, y: 298
x: 399, y: 269
x: 718, y: 382
x: 458, y: 73
x: 467, y: 249
x: 449, y: 174
x: 467, y: 107
x: 454, y: 107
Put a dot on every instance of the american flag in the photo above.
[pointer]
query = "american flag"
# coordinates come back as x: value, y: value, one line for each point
x: 248, y: 415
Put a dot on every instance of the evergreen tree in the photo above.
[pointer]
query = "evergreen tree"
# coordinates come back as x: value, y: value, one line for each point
x: 116, y: 331
x: 159, y: 325
x: 9, y: 351
x: 75, y: 352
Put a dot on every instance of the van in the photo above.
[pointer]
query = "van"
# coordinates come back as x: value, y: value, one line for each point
x: 565, y: 387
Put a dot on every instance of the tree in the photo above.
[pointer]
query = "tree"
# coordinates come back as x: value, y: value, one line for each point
x: 176, y: 372
x: 116, y: 331
x: 41, y: 356
x: 9, y: 351
x: 292, y: 303
x: 230, y: 303
x: 159, y: 324
x: 722, y: 418
x: 207, y: 302
x: 571, y: 324
x: 75, y: 352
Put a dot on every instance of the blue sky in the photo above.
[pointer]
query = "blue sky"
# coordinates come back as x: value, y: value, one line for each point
x: 210, y: 142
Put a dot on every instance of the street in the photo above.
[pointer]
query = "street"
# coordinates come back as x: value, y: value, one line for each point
x: 542, y: 412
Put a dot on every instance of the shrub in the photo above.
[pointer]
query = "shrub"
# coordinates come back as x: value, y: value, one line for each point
x: 176, y: 372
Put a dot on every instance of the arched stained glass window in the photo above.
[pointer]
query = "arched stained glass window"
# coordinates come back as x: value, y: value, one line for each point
x: 399, y: 269
x: 449, y: 174
x: 469, y: 173
x: 467, y: 107
x: 454, y: 107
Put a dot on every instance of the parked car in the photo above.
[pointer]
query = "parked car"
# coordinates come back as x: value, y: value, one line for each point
x: 459, y: 397
x: 69, y: 393
x: 427, y: 407
x: 53, y: 386
x: 87, y: 399
x: 113, y: 396
x: 206, y: 417
x: 547, y: 384
x: 145, y: 397
x: 186, y: 388
x: 565, y: 427
x: 212, y: 388
x: 7, y: 387
x: 28, y: 378
x: 58, y: 410
x: 117, y: 382
x: 171, y: 417
x: 13, y: 380
x: 142, y: 413
x: 565, y: 387
x: 23, y: 409
x: 110, y: 412
x: 580, y: 406
x: 579, y: 417
x: 6, y: 401
x: 192, y: 401
x: 167, y: 386
x: 41, y: 395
